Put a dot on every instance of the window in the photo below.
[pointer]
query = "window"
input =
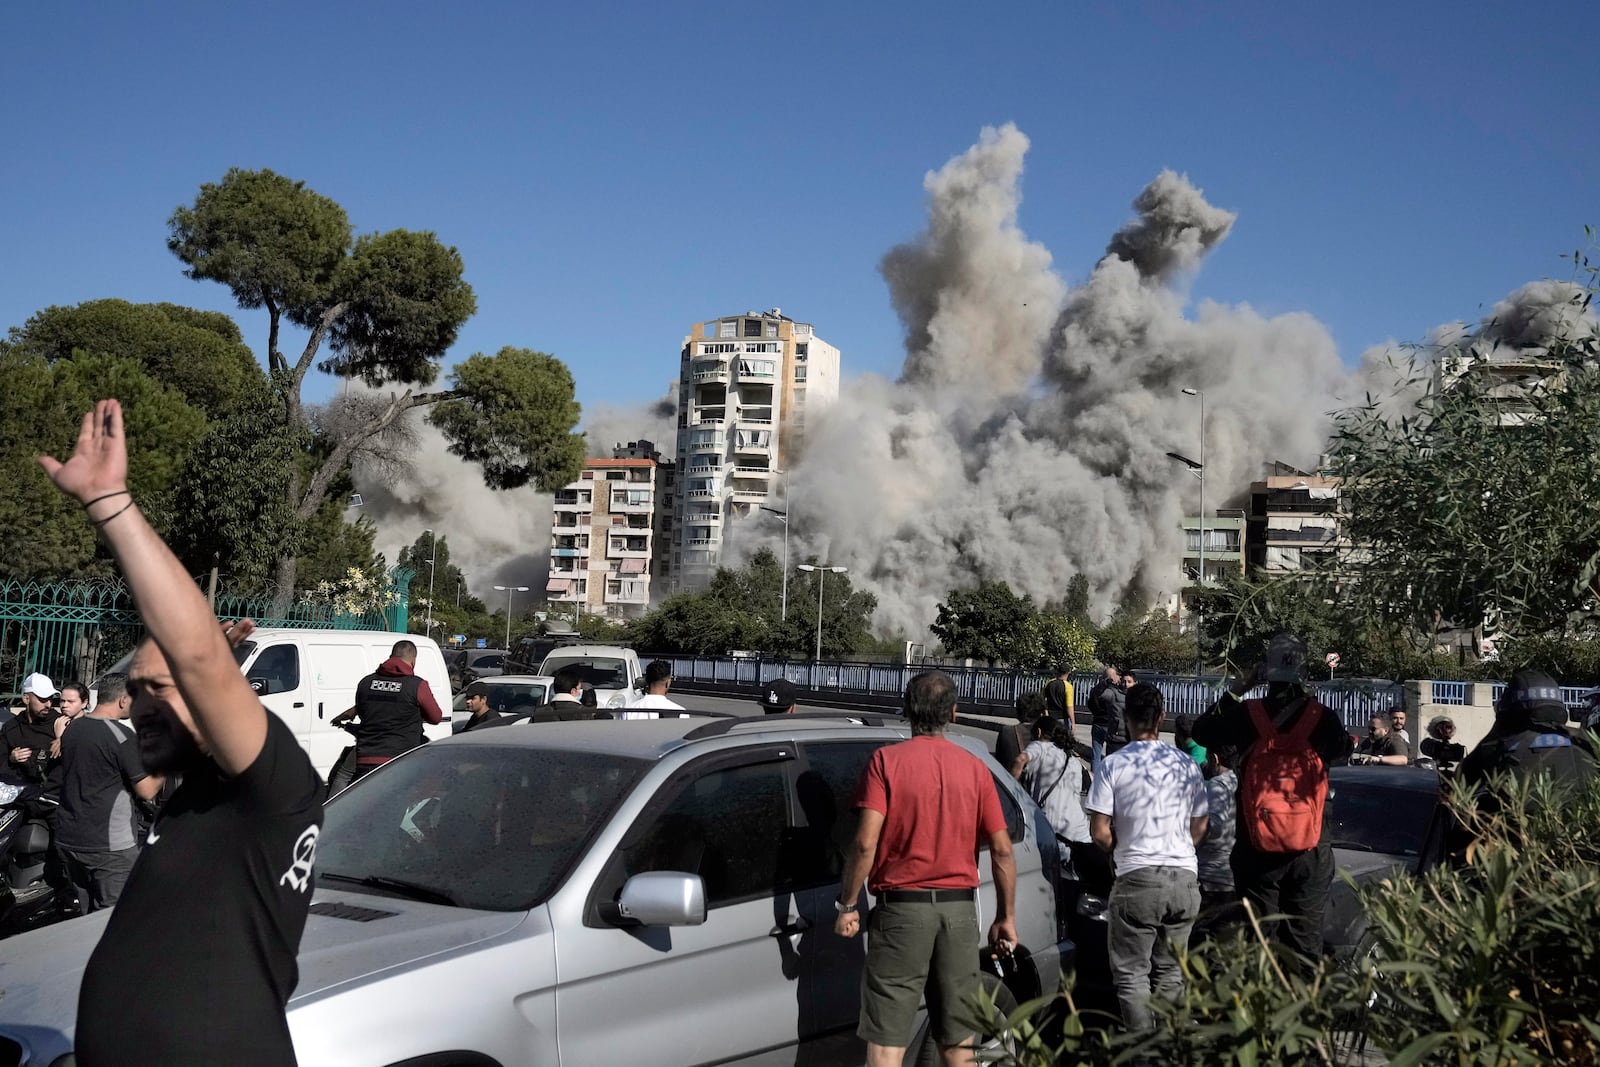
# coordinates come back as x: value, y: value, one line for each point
x: 800, y: 372
x: 827, y: 793
x: 728, y: 826
x: 587, y: 476
x: 277, y: 670
x: 615, y: 476
x: 728, y: 329
x: 752, y: 327
x: 802, y: 350
x: 489, y: 827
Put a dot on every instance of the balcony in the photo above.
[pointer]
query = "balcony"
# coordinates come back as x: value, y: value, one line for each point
x: 748, y: 494
x: 753, y: 472
x: 569, y: 524
x: 702, y: 518
x: 627, y: 592
x: 705, y: 493
x: 758, y: 370
x: 632, y: 502
x: 708, y: 372
x: 701, y: 542
x: 710, y: 420
x: 637, y: 548
x: 568, y: 553
x: 708, y: 443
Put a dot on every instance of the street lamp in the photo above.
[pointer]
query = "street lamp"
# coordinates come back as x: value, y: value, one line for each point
x: 822, y: 578
x: 433, y: 544
x: 783, y: 517
x: 1200, y: 473
x: 461, y: 579
x: 509, y: 589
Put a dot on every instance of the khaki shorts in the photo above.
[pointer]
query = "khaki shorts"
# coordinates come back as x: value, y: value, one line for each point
x: 917, y: 947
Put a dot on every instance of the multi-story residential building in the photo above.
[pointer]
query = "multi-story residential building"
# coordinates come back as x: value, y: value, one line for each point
x: 1224, y: 555
x: 746, y: 385
x: 603, y: 537
x: 666, y: 496
x: 1294, y: 521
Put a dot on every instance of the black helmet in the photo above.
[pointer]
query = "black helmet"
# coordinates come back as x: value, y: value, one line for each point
x: 1531, y: 698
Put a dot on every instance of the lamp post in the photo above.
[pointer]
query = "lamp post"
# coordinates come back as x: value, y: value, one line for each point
x: 1200, y: 612
x: 822, y: 578
x: 509, y: 589
x: 461, y: 579
x: 783, y: 517
x: 433, y: 541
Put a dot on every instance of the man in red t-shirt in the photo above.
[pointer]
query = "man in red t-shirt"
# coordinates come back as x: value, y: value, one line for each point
x: 927, y: 806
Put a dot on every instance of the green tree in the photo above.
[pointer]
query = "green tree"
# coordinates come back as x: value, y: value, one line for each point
x: 1150, y: 641
x: 989, y: 622
x: 387, y: 307
x: 846, y: 616
x: 1052, y: 638
x: 199, y: 353
x: 1477, y: 504
x: 1076, y: 603
x: 694, y: 624
x: 41, y: 531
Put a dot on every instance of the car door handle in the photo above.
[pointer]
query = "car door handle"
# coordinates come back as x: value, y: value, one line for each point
x: 299, y: 704
x: 791, y: 928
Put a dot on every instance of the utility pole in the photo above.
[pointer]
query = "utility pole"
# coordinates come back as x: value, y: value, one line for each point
x: 822, y: 578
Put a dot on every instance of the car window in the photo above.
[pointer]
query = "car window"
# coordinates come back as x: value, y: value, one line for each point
x: 276, y: 670
x: 826, y: 791
x: 518, y: 695
x: 483, y: 826
x: 492, y: 661
x: 1368, y: 817
x: 1012, y: 811
x: 600, y: 673
x: 728, y: 826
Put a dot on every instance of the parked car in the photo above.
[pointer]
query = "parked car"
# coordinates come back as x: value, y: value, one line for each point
x: 612, y: 670
x: 585, y: 894
x: 509, y: 694
x: 1380, y: 820
x: 306, y: 677
x: 468, y: 665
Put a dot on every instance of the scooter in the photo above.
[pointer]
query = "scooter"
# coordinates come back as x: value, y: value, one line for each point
x: 26, y: 899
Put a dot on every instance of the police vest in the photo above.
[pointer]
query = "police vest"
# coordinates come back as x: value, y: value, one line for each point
x: 391, y: 715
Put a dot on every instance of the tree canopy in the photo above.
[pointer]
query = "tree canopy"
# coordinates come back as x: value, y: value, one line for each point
x: 990, y: 622
x: 387, y: 307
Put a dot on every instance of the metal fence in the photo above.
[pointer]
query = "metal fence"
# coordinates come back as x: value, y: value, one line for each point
x: 996, y: 689
x: 72, y: 630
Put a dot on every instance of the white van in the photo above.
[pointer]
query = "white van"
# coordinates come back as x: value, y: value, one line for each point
x: 306, y: 677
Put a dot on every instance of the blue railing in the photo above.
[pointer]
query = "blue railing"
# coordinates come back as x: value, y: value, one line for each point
x: 995, y: 690
x: 1450, y: 692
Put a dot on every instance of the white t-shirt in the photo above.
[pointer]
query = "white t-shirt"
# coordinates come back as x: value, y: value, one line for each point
x: 649, y: 706
x: 1057, y: 777
x: 1151, y: 790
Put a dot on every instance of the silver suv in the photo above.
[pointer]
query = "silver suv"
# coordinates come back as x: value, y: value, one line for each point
x: 583, y: 894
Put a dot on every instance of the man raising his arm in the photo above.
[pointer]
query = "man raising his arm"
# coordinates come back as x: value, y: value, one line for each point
x: 198, y: 960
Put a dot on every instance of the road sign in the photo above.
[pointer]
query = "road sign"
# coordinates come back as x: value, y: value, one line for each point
x: 483, y: 642
x: 1333, y: 659
x: 458, y: 639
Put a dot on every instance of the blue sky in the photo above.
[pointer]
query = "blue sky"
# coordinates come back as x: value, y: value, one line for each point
x: 615, y: 172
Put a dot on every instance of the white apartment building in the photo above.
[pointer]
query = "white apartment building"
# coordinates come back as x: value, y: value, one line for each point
x: 746, y: 385
x: 603, y: 539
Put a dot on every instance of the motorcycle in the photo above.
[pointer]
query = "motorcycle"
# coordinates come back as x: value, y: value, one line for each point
x: 27, y: 900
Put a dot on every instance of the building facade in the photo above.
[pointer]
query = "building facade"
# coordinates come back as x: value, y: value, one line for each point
x: 604, y: 536
x: 747, y: 384
x: 1294, y: 522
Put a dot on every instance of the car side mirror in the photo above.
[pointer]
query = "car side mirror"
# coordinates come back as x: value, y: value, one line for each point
x: 259, y: 687
x: 663, y: 898
x: 639, y: 685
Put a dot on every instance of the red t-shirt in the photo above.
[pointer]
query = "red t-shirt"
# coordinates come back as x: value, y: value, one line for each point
x: 939, y: 805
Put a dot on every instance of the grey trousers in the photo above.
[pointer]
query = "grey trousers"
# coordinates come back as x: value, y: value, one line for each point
x: 1151, y: 908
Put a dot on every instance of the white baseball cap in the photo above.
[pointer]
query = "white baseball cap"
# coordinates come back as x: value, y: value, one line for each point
x: 39, y: 685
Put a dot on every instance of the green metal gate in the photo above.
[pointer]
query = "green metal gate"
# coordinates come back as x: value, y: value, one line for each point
x: 73, y: 630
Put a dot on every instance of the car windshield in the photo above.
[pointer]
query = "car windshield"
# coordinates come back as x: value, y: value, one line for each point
x: 478, y: 826
x: 1374, y: 817
x: 600, y: 673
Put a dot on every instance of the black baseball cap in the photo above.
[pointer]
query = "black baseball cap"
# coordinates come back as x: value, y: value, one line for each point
x: 778, y: 695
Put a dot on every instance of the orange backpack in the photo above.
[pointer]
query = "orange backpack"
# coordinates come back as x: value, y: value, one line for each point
x: 1283, y: 785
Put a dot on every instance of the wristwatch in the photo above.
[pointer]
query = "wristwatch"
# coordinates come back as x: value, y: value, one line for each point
x: 843, y: 908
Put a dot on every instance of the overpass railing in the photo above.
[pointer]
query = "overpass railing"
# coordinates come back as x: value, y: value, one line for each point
x: 994, y: 690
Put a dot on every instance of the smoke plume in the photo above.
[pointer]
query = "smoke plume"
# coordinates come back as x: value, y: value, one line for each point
x: 1026, y: 440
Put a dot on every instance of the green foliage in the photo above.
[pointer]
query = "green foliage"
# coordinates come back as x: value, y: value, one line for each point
x: 742, y: 609
x: 1492, y: 963
x: 1050, y: 639
x: 43, y: 533
x: 235, y: 484
x: 405, y: 299
x: 989, y: 622
x: 514, y: 414
x: 1150, y: 641
x: 1076, y: 602
x: 268, y: 238
x: 199, y: 353
x: 1477, y: 504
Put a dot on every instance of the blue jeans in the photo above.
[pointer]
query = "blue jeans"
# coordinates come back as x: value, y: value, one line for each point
x: 1151, y: 909
x: 1097, y: 749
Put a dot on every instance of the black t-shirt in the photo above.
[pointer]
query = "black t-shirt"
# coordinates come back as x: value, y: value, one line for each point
x: 198, y: 960
x: 1388, y: 745
x: 99, y: 766
x: 23, y: 732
